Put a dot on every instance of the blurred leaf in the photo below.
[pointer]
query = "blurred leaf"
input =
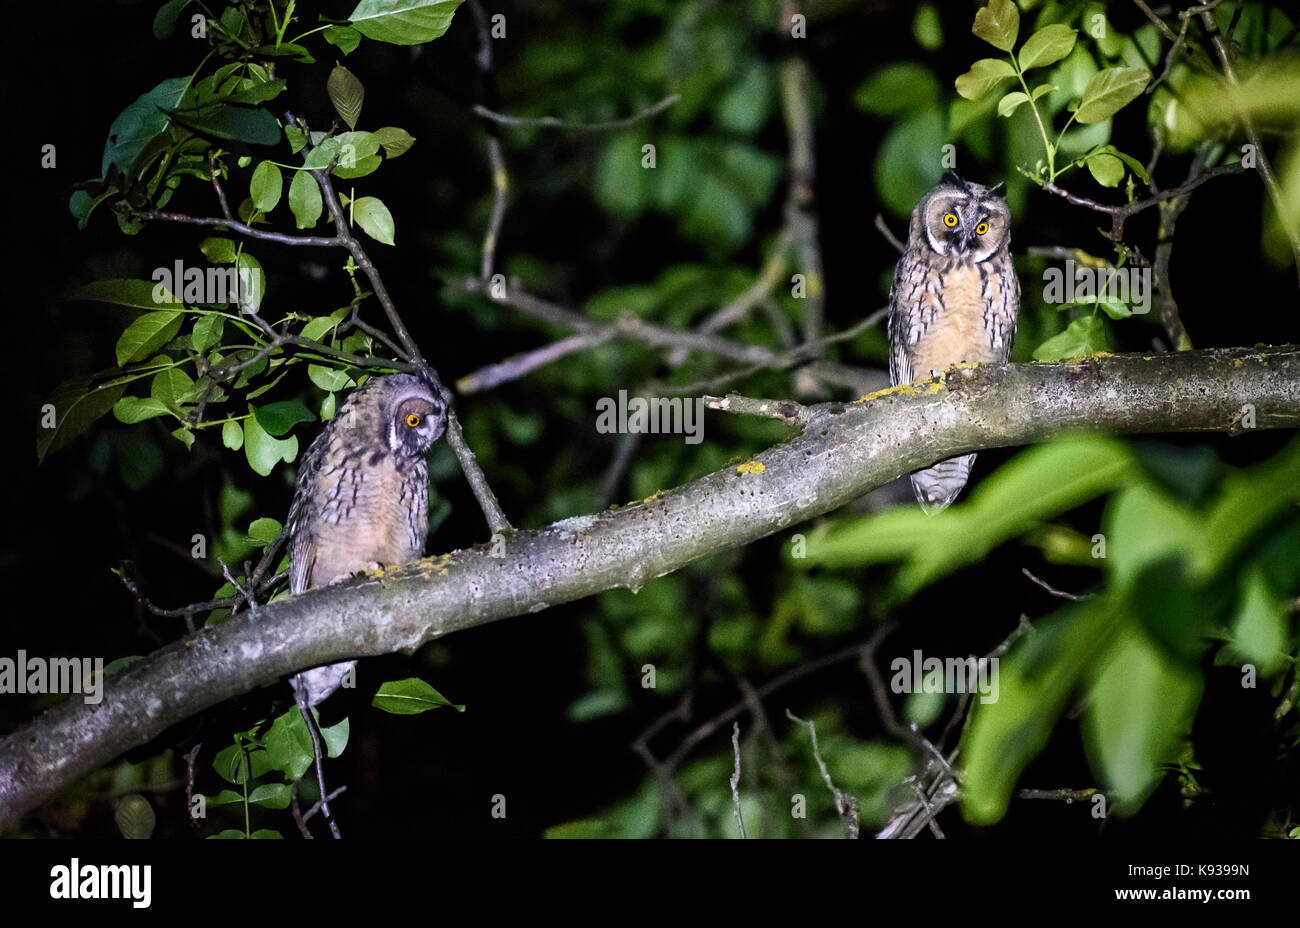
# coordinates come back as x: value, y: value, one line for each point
x: 897, y: 88
x: 138, y: 293
x: 1033, y: 487
x: 272, y: 796
x: 1261, y: 625
x: 232, y: 435
x: 1035, y: 681
x: 1140, y: 707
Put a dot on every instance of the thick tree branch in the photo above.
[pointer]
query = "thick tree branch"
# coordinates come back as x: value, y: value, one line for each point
x: 843, y: 451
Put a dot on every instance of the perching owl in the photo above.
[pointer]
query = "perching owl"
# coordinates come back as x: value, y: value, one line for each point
x: 954, y: 298
x: 363, y: 494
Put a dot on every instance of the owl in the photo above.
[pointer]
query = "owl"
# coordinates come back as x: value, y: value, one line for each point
x: 954, y: 298
x: 363, y: 494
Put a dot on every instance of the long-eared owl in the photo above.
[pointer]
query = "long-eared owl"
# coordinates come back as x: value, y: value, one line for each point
x: 363, y: 494
x: 954, y: 299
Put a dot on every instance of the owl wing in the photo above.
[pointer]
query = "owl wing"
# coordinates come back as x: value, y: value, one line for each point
x: 1003, y: 310
x: 907, y: 318
x: 302, y: 516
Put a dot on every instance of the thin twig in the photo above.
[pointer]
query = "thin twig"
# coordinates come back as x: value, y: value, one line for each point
x: 552, y: 122
x: 735, y: 778
x: 846, y: 804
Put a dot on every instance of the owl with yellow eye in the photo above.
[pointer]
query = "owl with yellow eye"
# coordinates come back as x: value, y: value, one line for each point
x: 954, y: 299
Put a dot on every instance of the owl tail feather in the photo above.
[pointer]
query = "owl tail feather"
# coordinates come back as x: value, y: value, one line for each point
x: 937, y: 486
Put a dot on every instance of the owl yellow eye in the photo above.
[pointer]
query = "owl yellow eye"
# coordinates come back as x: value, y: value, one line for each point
x: 981, y: 228
x: 413, y: 420
x: 950, y: 220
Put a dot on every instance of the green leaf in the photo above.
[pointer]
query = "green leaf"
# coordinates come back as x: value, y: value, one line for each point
x: 218, y: 250
x: 272, y: 796
x: 1082, y: 337
x: 164, y: 21
x: 347, y: 94
x: 232, y: 435
x: 897, y: 88
x: 1260, y: 627
x: 410, y: 697
x: 279, y: 418
x: 1041, y: 89
x: 288, y: 744
x: 1140, y: 707
x: 172, y: 387
x: 133, y: 409
x: 305, y: 200
x: 395, y: 141
x: 335, y: 737
x: 264, y: 531
x: 147, y: 334
x: 329, y: 379
x: 252, y: 281
x: 403, y: 22
x: 1011, y: 102
x: 1033, y: 487
x: 1047, y: 46
x: 1035, y: 683
x: 998, y: 24
x: 1136, y: 166
x: 76, y: 406
x: 358, y: 154
x: 231, y: 764
x: 344, y: 38
x: 374, y: 218
x: 982, y: 77
x: 1108, y: 92
x: 252, y: 124
x: 1105, y: 168
x: 266, y: 186
x: 139, y: 124
x: 262, y: 450
x: 141, y: 294
x: 207, y: 332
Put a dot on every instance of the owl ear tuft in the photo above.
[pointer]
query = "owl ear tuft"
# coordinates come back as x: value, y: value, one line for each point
x: 999, y: 189
x: 950, y: 177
